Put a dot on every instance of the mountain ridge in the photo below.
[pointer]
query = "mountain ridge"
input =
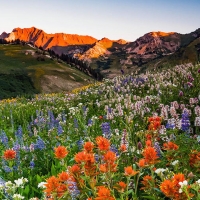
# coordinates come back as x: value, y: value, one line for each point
x: 108, y: 55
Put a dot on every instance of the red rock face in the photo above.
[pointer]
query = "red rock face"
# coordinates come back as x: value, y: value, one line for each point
x: 40, y: 38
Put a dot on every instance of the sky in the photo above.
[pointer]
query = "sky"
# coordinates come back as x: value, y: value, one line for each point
x: 114, y: 19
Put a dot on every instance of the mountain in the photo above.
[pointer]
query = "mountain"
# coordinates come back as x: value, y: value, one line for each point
x: 41, y: 39
x: 4, y: 35
x: 155, y: 49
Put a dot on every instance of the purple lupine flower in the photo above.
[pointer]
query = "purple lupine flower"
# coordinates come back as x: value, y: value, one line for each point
x: 185, y: 122
x: 105, y: 127
x: 16, y: 146
x: 158, y: 149
x: 198, y: 71
x: 32, y: 164
x: 114, y: 149
x: 19, y: 133
x: 59, y: 129
x: 73, y: 189
x: 40, y: 144
x: 7, y: 169
x: 170, y: 124
x: 80, y: 144
x: 4, y: 138
x: 89, y: 122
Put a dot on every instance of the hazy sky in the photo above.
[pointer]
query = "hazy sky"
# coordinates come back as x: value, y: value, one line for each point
x: 114, y: 19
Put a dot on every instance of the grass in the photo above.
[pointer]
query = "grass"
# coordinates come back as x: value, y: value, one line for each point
x: 23, y: 60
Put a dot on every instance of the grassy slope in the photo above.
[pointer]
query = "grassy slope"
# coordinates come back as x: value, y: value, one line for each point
x: 21, y: 74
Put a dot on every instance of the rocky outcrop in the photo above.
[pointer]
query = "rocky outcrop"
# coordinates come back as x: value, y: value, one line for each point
x: 40, y: 38
x: 4, y: 35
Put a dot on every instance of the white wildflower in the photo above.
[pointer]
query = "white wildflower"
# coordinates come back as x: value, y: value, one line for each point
x: 19, y: 182
x: 198, y: 182
x: 17, y: 197
x: 160, y: 170
x: 175, y: 162
x: 42, y: 185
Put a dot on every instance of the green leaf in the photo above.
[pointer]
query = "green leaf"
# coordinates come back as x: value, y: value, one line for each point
x: 26, y: 190
x: 53, y: 170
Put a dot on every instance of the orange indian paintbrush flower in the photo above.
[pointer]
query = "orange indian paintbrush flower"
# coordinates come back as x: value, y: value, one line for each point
x: 103, y: 143
x: 60, y: 152
x: 9, y: 154
x: 147, y: 182
x: 170, y: 146
x: 129, y: 171
x: 150, y: 155
x: 167, y: 187
x: 103, y: 193
x: 63, y: 176
x: 88, y: 147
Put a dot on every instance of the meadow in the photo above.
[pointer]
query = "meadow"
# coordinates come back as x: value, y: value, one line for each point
x: 25, y: 71
x: 132, y: 137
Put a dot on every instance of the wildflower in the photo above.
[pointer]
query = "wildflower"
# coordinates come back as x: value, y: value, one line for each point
x: 106, y: 129
x: 141, y: 163
x: 180, y: 93
x: 121, y: 186
x: 80, y: 157
x: 60, y: 152
x: 150, y: 155
x: 59, y: 129
x: 42, y: 185
x: 167, y: 187
x: 103, y: 193
x: 4, y: 138
x: 32, y: 164
x: 175, y: 162
x: 51, y: 185
x: 178, y: 178
x: 148, y: 143
x: 139, y: 145
x: 62, y: 188
x: 75, y: 169
x: 147, y: 182
x: 170, y: 146
x: 129, y: 171
x: 19, y: 182
x: 88, y: 146
x: 155, y: 123
x: 182, y: 184
x: 103, y: 168
x: 9, y: 154
x: 160, y: 170
x: 194, y: 159
x: 103, y: 143
x: 63, y: 176
x: 73, y: 189
x: 123, y: 147
x: 17, y: 197
x: 109, y: 157
x: 39, y: 144
x: 185, y: 122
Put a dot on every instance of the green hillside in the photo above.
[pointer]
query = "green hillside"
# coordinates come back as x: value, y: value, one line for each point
x: 24, y: 70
